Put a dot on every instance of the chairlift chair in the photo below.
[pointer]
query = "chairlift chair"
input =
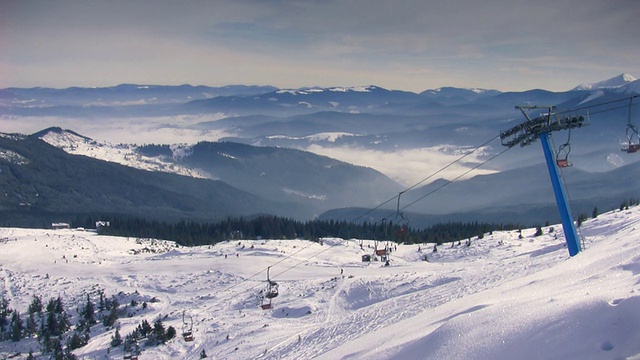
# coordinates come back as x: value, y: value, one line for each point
x: 401, y: 220
x: 562, y: 155
x: 187, y: 328
x: 633, y: 144
x: 270, y: 292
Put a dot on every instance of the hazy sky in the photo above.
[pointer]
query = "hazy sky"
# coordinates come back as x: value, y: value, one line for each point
x: 400, y: 44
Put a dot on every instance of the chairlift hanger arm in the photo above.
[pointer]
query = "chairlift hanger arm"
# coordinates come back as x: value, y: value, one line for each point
x: 529, y: 131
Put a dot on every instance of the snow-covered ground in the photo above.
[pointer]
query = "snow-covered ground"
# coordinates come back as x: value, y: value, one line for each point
x: 502, y: 297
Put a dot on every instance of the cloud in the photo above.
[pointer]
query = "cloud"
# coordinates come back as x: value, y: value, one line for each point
x: 156, y: 130
x: 409, y: 167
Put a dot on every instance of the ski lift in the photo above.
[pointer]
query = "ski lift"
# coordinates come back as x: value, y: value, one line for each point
x: 633, y: 137
x: 562, y: 155
x: 187, y: 328
x: 270, y: 293
x: 401, y: 220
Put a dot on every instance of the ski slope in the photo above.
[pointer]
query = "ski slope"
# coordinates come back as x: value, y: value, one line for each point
x: 502, y: 297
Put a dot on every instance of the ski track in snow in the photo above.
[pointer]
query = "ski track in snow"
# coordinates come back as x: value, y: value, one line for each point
x: 494, y: 299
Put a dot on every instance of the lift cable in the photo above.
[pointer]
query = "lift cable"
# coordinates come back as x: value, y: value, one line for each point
x: 427, y: 178
x: 454, y: 179
x: 600, y: 104
x: 479, y: 147
x: 263, y: 270
x: 420, y: 198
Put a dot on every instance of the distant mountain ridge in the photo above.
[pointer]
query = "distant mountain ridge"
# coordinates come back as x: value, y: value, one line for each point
x: 123, y: 94
x: 43, y: 183
x: 259, y: 140
x: 295, y: 179
x: 614, y: 82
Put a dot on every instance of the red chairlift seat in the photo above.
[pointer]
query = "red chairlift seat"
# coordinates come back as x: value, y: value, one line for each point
x: 563, y: 163
x: 381, y: 252
x: 632, y: 148
x: 188, y: 336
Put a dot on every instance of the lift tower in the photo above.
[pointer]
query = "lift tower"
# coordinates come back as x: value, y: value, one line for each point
x: 540, y: 127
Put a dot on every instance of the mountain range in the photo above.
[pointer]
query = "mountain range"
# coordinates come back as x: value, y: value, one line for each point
x: 327, y: 152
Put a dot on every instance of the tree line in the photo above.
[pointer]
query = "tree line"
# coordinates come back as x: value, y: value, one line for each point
x: 192, y: 233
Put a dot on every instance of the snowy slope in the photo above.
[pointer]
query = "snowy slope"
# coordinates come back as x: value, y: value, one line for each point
x: 614, y: 82
x: 502, y: 297
x: 123, y: 154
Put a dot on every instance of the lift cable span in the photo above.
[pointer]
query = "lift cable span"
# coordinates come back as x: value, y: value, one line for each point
x: 503, y: 136
x: 454, y: 179
x: 426, y: 178
x: 540, y: 128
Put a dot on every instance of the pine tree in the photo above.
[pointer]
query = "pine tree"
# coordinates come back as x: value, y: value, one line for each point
x: 16, y: 327
x: 111, y: 318
x: 101, y: 301
x: 31, y: 327
x: 594, y: 213
x: 68, y: 355
x: 36, y: 305
x: 88, y: 313
x: 538, y: 231
x: 116, y: 339
x: 75, y: 342
x: 145, y: 328
x: 171, y: 333
x: 59, y: 307
x: 581, y: 218
x: 5, y: 311
x: 56, y: 349
x: 159, y: 331
x: 127, y: 343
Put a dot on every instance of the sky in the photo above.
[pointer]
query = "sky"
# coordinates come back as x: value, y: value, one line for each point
x: 404, y: 45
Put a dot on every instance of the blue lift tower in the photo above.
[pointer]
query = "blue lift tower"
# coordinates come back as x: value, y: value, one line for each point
x: 540, y: 128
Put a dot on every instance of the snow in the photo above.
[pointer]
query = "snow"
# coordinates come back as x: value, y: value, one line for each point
x: 352, y: 89
x: 472, y: 89
x: 502, y: 297
x: 594, y: 95
x: 632, y: 87
x: 614, y: 82
x: 332, y: 136
x: 13, y: 157
x: 308, y: 91
x: 124, y: 154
